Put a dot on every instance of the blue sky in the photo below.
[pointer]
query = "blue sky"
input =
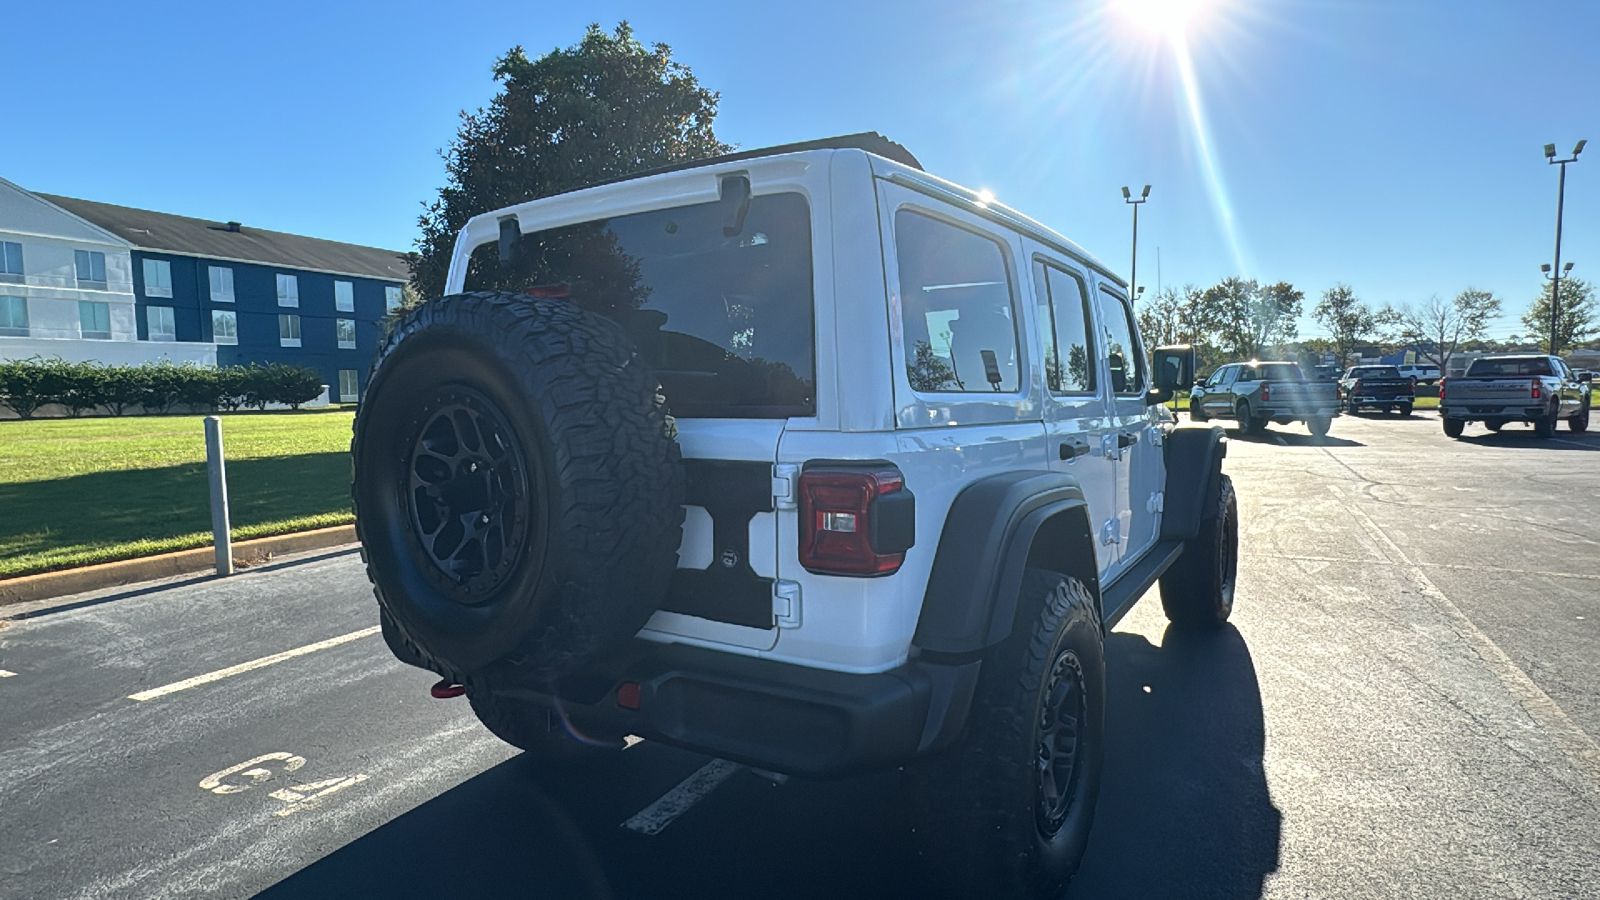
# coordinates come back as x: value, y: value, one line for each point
x: 1391, y: 144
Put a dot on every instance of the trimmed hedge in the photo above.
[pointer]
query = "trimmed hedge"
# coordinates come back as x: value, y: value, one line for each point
x: 156, y: 387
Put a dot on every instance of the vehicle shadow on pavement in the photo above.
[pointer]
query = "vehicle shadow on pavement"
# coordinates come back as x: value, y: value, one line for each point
x: 1563, y: 440
x: 1291, y: 438
x: 1184, y: 811
x: 1184, y: 808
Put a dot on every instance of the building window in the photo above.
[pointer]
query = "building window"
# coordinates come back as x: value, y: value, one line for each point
x: 14, y: 316
x: 94, y: 319
x: 391, y: 297
x: 349, y: 388
x: 224, y: 326
x: 91, y: 265
x: 159, y: 319
x: 10, y: 258
x: 288, y: 331
x: 288, y: 290
x: 221, y: 284
x: 157, y: 278
x: 347, y: 333
x: 344, y: 296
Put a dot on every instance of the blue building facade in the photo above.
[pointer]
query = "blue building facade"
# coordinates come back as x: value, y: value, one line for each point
x: 259, y: 296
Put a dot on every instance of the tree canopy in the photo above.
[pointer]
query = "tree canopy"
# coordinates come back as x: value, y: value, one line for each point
x: 606, y: 108
x: 1576, y: 317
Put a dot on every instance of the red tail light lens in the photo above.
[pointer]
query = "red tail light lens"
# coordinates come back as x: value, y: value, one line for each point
x: 1536, y: 389
x: 855, y: 521
x: 1441, y: 387
x: 1266, y: 391
x: 1355, y: 387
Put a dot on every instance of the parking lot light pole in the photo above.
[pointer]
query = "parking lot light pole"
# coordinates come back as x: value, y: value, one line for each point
x: 1561, y: 199
x: 1133, y: 275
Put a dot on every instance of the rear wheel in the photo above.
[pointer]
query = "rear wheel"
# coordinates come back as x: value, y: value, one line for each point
x: 1405, y: 409
x: 1197, y: 591
x: 1007, y: 812
x: 1545, y: 425
x: 1580, y: 421
x: 1248, y: 423
x: 1454, y: 427
x: 1352, y: 407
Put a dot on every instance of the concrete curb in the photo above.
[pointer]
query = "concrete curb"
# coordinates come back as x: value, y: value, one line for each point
x: 44, y: 586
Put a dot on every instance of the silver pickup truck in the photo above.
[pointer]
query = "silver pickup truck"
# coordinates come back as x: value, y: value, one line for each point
x: 1255, y: 393
x: 1498, y: 389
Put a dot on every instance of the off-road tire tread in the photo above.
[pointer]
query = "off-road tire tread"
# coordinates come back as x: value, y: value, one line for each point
x: 971, y: 841
x: 1192, y: 588
x: 572, y: 362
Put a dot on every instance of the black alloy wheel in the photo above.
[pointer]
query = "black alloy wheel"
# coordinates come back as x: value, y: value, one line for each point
x: 469, y: 493
x: 1063, y: 705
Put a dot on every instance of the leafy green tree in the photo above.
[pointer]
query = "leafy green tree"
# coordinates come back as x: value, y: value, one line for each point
x: 1576, y: 318
x: 163, y: 382
x: 124, y: 387
x: 1348, y: 319
x: 23, y: 386
x: 1439, y: 328
x: 605, y: 108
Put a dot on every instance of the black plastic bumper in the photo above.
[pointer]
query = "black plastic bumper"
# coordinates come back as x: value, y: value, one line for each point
x: 787, y: 718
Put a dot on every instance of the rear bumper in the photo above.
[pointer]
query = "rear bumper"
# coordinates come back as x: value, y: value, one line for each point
x: 1376, y: 400
x: 1477, y: 413
x: 787, y: 718
x: 1329, y: 410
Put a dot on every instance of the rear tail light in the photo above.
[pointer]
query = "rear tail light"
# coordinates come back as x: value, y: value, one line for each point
x: 1355, y: 387
x: 855, y: 520
x: 1441, y: 387
x: 1266, y: 391
x: 1536, y: 389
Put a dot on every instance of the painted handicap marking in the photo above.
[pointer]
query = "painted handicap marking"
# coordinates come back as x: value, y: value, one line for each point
x: 255, y: 772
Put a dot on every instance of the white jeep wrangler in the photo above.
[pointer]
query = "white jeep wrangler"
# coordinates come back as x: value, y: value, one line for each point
x: 799, y: 457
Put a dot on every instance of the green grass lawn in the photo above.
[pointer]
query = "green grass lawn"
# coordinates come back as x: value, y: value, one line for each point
x: 80, y: 491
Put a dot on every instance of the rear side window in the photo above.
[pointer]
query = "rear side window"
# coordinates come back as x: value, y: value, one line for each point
x: 955, y: 307
x: 1064, y: 319
x: 1122, y: 354
x: 725, y: 321
x: 1282, y: 372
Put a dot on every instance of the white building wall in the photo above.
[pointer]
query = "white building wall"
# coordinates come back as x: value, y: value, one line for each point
x: 49, y: 283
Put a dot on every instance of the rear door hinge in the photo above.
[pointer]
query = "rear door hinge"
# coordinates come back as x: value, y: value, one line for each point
x: 786, y: 603
x: 785, y: 478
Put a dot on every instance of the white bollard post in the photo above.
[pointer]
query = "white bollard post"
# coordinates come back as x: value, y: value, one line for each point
x: 217, y: 474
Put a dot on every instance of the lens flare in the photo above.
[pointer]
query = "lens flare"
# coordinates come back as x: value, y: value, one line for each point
x: 1215, y: 186
x: 1165, y: 17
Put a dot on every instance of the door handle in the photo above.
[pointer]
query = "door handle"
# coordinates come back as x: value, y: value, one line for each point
x: 1073, y: 449
x: 1126, y: 439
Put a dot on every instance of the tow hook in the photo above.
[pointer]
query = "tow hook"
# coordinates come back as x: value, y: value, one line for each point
x: 446, y: 689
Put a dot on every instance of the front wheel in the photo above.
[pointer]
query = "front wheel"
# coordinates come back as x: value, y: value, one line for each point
x: 1007, y: 812
x: 1319, y: 427
x: 1579, y: 423
x: 1454, y: 427
x: 1197, y: 413
x: 1197, y: 591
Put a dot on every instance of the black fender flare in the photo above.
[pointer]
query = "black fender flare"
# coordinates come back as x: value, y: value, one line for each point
x: 1194, y: 466
x: 990, y: 537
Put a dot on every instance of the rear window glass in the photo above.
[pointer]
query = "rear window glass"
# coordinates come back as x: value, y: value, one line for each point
x: 955, y: 307
x: 724, y: 321
x: 1273, y: 372
x: 1376, y: 372
x: 1537, y: 365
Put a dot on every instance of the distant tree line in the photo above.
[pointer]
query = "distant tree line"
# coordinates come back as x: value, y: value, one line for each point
x: 153, y: 388
x: 1239, y: 319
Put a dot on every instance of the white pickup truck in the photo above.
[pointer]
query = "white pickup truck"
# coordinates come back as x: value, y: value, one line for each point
x: 1495, y: 390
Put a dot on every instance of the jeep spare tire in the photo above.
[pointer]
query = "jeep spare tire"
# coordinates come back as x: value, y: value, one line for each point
x: 517, y: 488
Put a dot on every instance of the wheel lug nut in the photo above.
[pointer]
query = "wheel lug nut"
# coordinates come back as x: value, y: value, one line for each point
x: 483, y: 519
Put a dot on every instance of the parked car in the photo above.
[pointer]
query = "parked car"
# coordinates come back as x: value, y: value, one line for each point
x: 915, y: 469
x: 1423, y: 373
x: 1495, y: 390
x: 1378, y: 387
x: 1255, y: 393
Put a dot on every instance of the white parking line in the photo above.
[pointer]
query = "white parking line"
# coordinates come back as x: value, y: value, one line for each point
x: 7, y: 674
x: 674, y: 803
x: 263, y: 662
x: 1576, y: 443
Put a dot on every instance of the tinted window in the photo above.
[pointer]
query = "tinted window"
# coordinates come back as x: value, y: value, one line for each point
x: 955, y: 300
x: 1537, y: 365
x: 1064, y: 321
x: 1280, y: 372
x: 1121, y: 351
x: 725, y: 321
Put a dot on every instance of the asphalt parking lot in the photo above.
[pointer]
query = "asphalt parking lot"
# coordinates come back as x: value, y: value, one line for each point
x: 1406, y: 705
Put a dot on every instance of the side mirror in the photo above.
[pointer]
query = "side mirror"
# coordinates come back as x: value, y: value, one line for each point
x: 1174, y: 371
x: 1585, y: 377
x: 510, y: 235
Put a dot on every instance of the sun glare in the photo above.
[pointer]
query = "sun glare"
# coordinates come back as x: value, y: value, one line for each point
x: 1168, y: 18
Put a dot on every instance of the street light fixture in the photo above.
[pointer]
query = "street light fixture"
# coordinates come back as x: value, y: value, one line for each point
x: 1561, y: 199
x: 1133, y: 275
